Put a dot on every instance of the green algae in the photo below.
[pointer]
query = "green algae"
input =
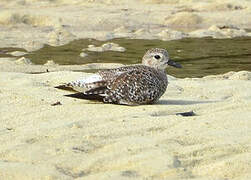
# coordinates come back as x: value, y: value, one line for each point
x: 198, y: 56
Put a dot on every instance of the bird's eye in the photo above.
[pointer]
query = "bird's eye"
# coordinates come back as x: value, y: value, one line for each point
x: 157, y: 57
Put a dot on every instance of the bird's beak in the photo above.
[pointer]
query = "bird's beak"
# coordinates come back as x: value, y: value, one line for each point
x: 174, y: 64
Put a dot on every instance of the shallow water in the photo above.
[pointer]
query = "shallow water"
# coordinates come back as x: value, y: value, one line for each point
x: 199, y: 57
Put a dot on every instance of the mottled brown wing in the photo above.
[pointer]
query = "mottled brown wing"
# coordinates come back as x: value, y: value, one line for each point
x: 138, y: 86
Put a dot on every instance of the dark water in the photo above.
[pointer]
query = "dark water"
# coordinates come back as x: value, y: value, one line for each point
x: 199, y: 57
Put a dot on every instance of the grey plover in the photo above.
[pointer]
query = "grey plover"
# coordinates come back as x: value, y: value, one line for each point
x: 129, y: 85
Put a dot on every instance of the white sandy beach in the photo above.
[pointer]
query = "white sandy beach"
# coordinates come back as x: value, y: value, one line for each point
x: 47, y: 136
x: 31, y: 23
x: 86, y: 140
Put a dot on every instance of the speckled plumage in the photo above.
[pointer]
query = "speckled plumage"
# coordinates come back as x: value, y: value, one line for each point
x: 130, y: 85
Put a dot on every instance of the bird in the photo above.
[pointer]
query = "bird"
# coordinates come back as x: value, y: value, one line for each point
x: 129, y: 85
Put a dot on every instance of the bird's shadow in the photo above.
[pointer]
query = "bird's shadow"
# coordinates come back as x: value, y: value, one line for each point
x: 86, y: 97
x: 98, y: 98
x: 182, y: 102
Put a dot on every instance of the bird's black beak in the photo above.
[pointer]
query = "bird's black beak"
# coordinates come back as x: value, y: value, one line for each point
x: 174, y: 64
